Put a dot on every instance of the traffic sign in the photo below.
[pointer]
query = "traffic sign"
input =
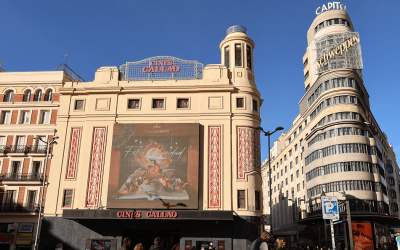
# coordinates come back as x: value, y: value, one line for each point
x: 330, y: 209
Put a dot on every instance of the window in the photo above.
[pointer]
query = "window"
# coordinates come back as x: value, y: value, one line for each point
x: 291, y: 165
x: 393, y: 194
x: 10, y: 198
x: 15, y: 169
x: 38, y: 96
x: 5, y: 117
x: 238, y: 55
x: 391, y: 181
x: 297, y: 160
x: 297, y: 173
x: 287, y: 193
x: 45, y: 117
x: 291, y: 178
x: 298, y: 187
x: 25, y: 117
x: 285, y: 169
x: 257, y: 200
x: 241, y: 199
x: 49, y: 96
x: 286, y: 181
x: 9, y: 96
x: 31, y: 199
x: 305, y: 63
x: 290, y: 152
x: 255, y: 106
x: 133, y: 103
x: 290, y: 140
x: 78, y: 104
x: 158, y: 103
x: 67, y: 198
x: 27, y: 96
x: 300, y: 129
x: 36, y: 168
x: 281, y: 161
x: 295, y: 147
x: 277, y: 175
x: 305, y: 122
x: 308, y: 87
x: 248, y: 52
x: 239, y: 103
x: 306, y: 76
x: 183, y: 103
x: 284, y: 157
x: 227, y: 56
x: 281, y: 172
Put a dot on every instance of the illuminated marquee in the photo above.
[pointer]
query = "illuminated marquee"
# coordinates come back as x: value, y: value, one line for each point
x: 161, y: 68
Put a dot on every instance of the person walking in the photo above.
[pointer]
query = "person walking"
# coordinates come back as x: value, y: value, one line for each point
x: 261, y: 242
x: 280, y: 243
x: 157, y: 244
x: 126, y: 243
x: 176, y: 247
x: 59, y: 246
x: 139, y: 247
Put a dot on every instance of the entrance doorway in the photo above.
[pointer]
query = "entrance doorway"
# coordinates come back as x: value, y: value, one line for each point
x: 146, y: 237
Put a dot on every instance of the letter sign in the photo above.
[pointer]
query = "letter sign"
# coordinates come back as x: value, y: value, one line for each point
x: 331, y: 6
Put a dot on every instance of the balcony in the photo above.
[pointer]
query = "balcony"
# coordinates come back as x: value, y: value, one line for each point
x: 17, y: 208
x: 38, y: 149
x: 22, y: 177
x: 3, y: 149
x: 17, y: 149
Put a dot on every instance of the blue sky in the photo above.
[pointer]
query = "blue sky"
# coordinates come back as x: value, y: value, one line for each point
x: 35, y: 36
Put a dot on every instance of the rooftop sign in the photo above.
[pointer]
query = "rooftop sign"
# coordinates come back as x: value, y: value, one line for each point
x: 162, y: 68
x: 331, y: 6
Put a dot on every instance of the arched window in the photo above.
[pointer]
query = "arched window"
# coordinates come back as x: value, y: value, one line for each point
x: 38, y: 96
x: 49, y: 96
x: 9, y: 96
x: 27, y: 96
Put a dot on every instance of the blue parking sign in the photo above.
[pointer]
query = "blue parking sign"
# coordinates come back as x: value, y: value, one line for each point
x: 330, y: 208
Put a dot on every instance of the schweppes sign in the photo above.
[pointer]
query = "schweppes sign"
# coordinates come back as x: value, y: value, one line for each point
x: 339, y: 50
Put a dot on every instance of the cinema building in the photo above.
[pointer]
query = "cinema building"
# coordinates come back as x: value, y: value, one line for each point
x: 161, y: 147
x: 335, y: 147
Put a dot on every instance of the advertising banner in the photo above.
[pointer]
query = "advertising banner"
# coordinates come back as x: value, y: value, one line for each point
x: 24, y: 239
x: 6, y: 238
x: 154, y: 166
x: 362, y: 236
x: 25, y: 227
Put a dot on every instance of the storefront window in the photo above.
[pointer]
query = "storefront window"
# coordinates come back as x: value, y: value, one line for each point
x: 101, y: 245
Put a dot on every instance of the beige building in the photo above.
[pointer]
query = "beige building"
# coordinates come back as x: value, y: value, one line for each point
x: 29, y: 103
x: 335, y: 146
x: 164, y: 141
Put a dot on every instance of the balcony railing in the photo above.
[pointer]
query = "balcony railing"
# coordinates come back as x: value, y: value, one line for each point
x: 23, y: 177
x: 3, y: 149
x: 28, y: 208
x: 38, y: 149
x: 18, y: 149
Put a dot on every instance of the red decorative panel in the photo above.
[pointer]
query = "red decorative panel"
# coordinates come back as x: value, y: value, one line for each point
x: 73, y: 153
x: 248, y: 151
x: 214, y: 167
x: 96, y: 163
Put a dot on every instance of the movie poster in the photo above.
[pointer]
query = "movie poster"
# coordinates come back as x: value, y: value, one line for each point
x: 362, y: 236
x: 154, y: 166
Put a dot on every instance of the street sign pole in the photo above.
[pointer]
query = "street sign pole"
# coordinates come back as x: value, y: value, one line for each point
x: 333, y: 236
x: 330, y: 211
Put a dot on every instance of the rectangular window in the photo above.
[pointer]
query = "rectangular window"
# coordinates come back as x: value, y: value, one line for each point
x: 67, y: 198
x: 298, y: 187
x: 291, y: 178
x: 239, y: 102
x: 286, y: 180
x: 295, y: 147
x: 297, y: 173
x: 45, y: 117
x: 158, y: 103
x: 238, y: 55
x: 255, y: 106
x: 6, y: 117
x: 10, y: 197
x: 31, y: 199
x: 290, y: 153
x: 291, y: 165
x: 36, y: 168
x: 227, y: 56
x: 285, y: 169
x: 257, y: 200
x: 78, y: 104
x: 241, y: 199
x: 133, y: 103
x: 297, y: 160
x: 284, y: 157
x: 183, y: 103
x: 248, y: 52
x: 25, y: 117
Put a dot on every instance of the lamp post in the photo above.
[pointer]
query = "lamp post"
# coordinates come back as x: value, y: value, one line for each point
x: 348, y: 220
x: 44, y: 183
x: 270, y: 168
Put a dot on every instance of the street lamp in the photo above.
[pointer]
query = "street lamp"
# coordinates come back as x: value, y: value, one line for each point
x: 44, y: 183
x: 343, y: 193
x: 270, y: 169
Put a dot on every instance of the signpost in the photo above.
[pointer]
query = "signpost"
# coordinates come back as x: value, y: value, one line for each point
x: 330, y: 211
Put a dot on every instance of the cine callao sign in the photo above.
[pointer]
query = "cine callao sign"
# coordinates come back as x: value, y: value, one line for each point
x: 352, y: 41
x: 161, y: 66
x: 331, y: 6
x: 150, y: 214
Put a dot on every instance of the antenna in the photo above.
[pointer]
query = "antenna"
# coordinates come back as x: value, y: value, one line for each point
x: 66, y: 58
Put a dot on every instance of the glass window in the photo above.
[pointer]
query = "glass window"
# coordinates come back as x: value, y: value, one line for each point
x: 38, y: 96
x: 290, y: 152
x: 45, y: 117
x: 67, y: 198
x: 239, y: 103
x: 133, y: 103
x: 291, y: 178
x: 248, y: 52
x: 49, y: 96
x: 227, y: 56
x: 158, y: 103
x: 78, y: 104
x: 9, y: 96
x: 183, y: 103
x: 255, y: 106
x: 238, y: 55
x: 27, y: 96
x: 25, y: 117
x: 257, y: 200
x: 241, y: 199
x: 5, y: 117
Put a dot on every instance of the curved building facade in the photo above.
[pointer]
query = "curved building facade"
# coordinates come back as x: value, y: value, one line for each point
x: 335, y: 146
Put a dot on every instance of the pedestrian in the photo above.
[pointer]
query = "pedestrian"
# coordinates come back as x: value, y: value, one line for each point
x: 261, y: 242
x: 139, y: 247
x: 59, y: 246
x: 126, y: 243
x: 280, y: 243
x: 157, y: 244
x: 176, y: 247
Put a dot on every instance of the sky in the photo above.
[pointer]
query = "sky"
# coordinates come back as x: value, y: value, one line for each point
x: 35, y: 36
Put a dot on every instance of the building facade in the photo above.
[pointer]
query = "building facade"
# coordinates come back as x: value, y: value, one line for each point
x: 162, y: 147
x: 335, y: 147
x: 29, y: 103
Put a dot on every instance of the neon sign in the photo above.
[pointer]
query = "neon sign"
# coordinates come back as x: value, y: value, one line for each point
x: 331, y: 6
x: 149, y: 214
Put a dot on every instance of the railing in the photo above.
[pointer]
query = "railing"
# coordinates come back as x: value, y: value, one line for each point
x: 18, y: 149
x: 28, y: 208
x: 38, y: 149
x: 64, y: 67
x: 23, y: 177
x: 236, y: 28
x: 3, y: 149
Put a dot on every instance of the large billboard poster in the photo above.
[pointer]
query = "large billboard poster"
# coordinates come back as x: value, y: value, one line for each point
x: 154, y: 166
x: 362, y: 236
